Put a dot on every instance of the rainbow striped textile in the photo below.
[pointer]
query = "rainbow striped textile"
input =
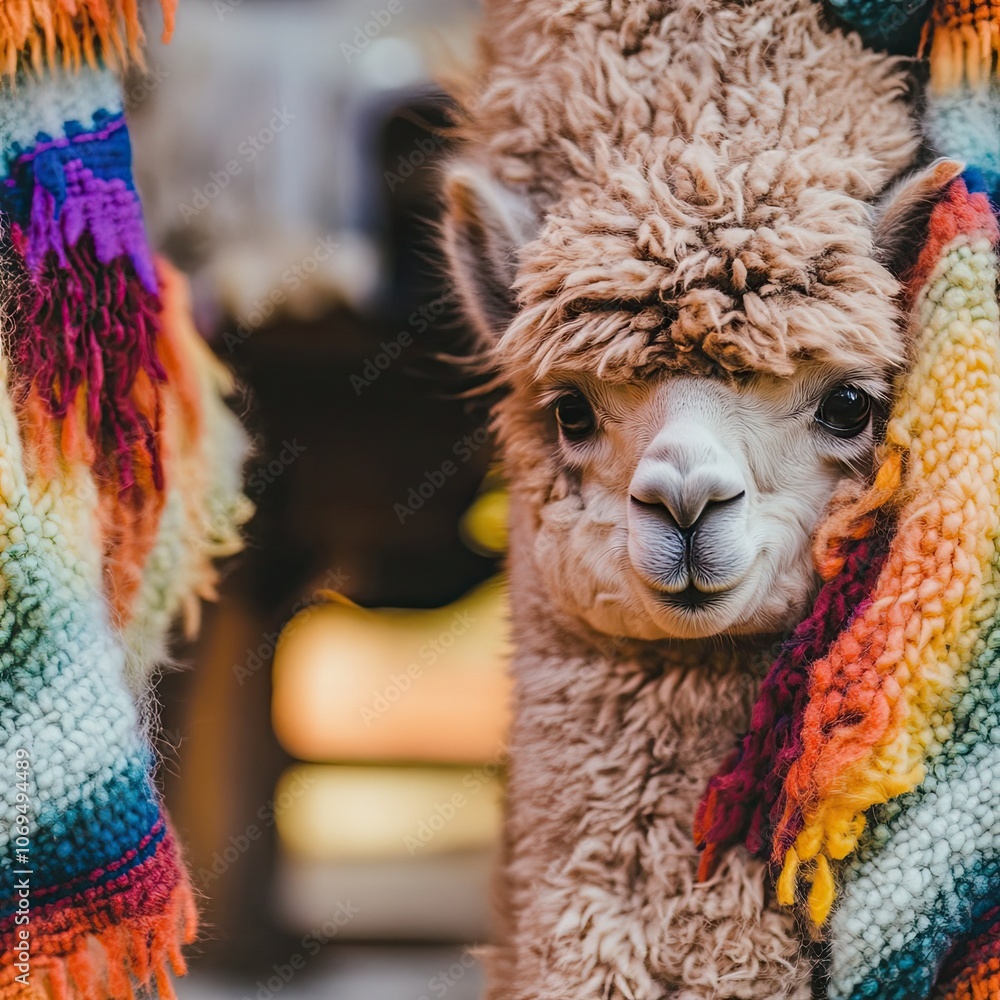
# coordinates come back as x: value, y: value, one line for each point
x: 869, y: 776
x: 120, y: 471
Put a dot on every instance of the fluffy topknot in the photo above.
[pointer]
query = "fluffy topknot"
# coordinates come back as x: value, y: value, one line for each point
x: 702, y: 175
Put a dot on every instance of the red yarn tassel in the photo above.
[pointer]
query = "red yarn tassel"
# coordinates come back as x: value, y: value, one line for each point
x: 91, y: 328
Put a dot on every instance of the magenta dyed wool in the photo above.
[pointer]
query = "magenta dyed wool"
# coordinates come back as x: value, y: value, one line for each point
x: 745, y: 798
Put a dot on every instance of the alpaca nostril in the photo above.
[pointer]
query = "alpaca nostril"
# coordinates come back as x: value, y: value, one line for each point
x: 716, y: 503
x: 683, y: 515
x: 663, y: 512
x: 688, y: 519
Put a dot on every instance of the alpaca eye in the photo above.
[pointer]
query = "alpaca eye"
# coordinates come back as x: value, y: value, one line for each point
x: 575, y: 416
x: 845, y: 411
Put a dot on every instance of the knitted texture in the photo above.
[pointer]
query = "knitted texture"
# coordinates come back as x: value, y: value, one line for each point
x: 119, y: 483
x: 882, y: 23
x: 880, y: 775
x: 963, y: 37
x: 750, y: 784
x: 962, y: 118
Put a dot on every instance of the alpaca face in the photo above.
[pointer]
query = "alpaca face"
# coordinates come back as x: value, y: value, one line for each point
x: 672, y: 450
x: 683, y: 507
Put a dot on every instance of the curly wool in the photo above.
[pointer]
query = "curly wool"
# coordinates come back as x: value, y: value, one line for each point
x: 599, y: 891
x: 703, y: 206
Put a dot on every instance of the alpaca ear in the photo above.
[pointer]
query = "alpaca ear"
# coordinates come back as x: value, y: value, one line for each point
x: 484, y: 226
x: 904, y: 214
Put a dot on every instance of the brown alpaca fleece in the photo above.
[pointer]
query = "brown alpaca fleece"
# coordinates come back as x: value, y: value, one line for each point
x: 702, y: 173
x: 611, y: 748
x: 669, y: 187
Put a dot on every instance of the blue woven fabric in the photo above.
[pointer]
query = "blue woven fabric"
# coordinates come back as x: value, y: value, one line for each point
x: 884, y: 24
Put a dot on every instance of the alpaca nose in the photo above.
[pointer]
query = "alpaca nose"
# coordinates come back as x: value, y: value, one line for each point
x: 684, y: 479
x: 685, y: 503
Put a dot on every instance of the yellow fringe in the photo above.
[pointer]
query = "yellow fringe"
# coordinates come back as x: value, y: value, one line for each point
x: 71, y: 33
x: 961, y: 51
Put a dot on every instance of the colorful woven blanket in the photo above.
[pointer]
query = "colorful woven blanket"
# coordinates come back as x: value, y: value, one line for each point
x: 870, y: 778
x: 119, y: 481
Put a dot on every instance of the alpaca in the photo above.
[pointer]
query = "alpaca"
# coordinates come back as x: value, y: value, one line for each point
x: 676, y: 229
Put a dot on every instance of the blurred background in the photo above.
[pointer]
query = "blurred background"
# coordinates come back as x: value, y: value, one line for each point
x: 334, y: 749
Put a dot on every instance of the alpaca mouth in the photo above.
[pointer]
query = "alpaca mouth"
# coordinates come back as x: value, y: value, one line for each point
x: 691, y: 599
x: 688, y: 584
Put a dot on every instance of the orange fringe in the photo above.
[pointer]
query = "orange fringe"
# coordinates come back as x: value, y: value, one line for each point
x: 176, y: 328
x: 963, y: 40
x: 178, y: 346
x: 118, y: 963
x: 71, y: 33
x: 130, y: 524
x: 853, y: 514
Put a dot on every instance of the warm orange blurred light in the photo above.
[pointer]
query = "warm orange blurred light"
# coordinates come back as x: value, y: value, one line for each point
x: 352, y: 684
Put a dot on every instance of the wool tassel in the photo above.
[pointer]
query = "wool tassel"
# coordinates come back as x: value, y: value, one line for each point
x: 962, y: 40
x: 122, y: 959
x: 868, y: 777
x: 75, y: 340
x: 73, y: 33
x: 744, y: 800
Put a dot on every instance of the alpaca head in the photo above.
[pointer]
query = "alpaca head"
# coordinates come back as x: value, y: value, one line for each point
x: 697, y: 320
x: 683, y: 505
